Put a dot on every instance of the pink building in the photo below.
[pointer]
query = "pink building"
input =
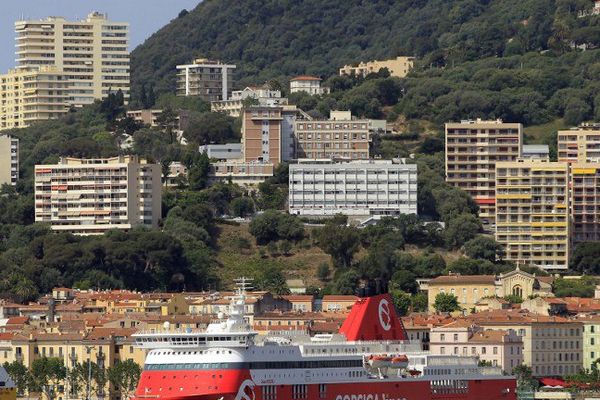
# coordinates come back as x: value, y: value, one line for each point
x: 502, y: 348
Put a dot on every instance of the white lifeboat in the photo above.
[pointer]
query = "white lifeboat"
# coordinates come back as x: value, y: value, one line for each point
x: 399, y: 362
x: 379, y: 361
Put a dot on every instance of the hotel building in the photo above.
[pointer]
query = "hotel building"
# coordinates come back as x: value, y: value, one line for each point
x: 93, y: 53
x: 356, y: 188
x: 91, y: 196
x: 208, y: 79
x: 532, y: 212
x: 9, y: 160
x: 32, y: 94
x: 472, y: 150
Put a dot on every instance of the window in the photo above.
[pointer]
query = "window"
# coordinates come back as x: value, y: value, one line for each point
x: 269, y: 392
x: 442, y: 350
x: 442, y: 337
x: 322, y: 391
x: 456, y: 337
x: 495, y: 350
x: 299, y: 392
x: 483, y: 350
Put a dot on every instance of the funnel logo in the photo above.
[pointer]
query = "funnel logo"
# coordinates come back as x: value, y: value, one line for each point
x: 246, y: 391
x: 385, y: 317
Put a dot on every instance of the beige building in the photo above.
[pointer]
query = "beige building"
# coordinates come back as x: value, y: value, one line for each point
x: 93, y: 53
x: 9, y: 160
x: 91, y: 196
x: 243, y: 173
x: 308, y: 84
x: 398, y: 67
x: 472, y: 150
x: 260, y: 95
x: 500, y: 348
x: 581, y: 144
x: 552, y: 346
x: 147, y: 117
x: 339, y: 137
x: 585, y: 201
x: 532, y: 212
x: 32, y: 94
x: 208, y: 79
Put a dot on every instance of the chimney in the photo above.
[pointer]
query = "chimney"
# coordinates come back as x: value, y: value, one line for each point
x: 51, y: 310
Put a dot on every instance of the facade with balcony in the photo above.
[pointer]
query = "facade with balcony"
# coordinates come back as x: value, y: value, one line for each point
x: 9, y: 160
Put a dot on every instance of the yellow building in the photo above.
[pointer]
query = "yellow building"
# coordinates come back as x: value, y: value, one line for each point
x: 581, y: 144
x: 9, y: 160
x: 32, y: 94
x: 472, y: 150
x: 532, y: 212
x: 93, y: 52
x: 399, y: 67
x: 585, y: 202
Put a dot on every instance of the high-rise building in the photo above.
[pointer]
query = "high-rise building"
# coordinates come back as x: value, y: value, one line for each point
x: 32, y: 94
x: 339, y: 137
x: 91, y: 196
x: 208, y: 79
x: 585, y: 202
x: 93, y: 53
x: 579, y: 144
x: 472, y: 150
x: 9, y: 160
x: 357, y: 188
x: 532, y: 212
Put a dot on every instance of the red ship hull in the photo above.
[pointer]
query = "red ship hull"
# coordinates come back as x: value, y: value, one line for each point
x: 229, y: 385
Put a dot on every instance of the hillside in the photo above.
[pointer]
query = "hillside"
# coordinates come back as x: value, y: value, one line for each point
x: 278, y: 39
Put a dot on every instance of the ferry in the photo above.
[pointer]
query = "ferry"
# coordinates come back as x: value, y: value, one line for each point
x: 369, y: 358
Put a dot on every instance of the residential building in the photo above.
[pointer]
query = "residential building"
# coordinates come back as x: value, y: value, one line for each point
x: 300, y: 302
x: 339, y: 137
x: 146, y: 117
x: 532, y: 212
x: 338, y: 303
x: 258, y: 95
x: 240, y: 172
x: 500, y: 348
x: 535, y: 151
x: 472, y: 150
x: 470, y: 290
x: 591, y: 339
x: 208, y: 79
x: 28, y: 95
x: 308, y: 84
x: 91, y: 196
x: 581, y: 144
x: 398, y: 67
x: 9, y: 160
x: 418, y: 326
x: 177, y: 173
x: 92, y: 53
x: 585, y: 201
x: 268, y: 133
x: 222, y: 152
x: 545, y: 305
x: 356, y: 188
x: 552, y: 346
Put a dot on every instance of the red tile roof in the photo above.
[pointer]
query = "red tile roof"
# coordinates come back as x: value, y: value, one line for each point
x: 463, y: 279
x: 306, y: 78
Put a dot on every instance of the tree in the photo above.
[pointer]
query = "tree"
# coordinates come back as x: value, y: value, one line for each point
x: 323, y: 271
x: 272, y: 279
x: 167, y: 122
x: 45, y: 376
x: 285, y: 246
x: 264, y: 227
x: 340, y: 242
x: 210, y: 127
x: 402, y: 302
x: 242, y: 207
x: 461, y: 229
x: 583, y: 287
x: 586, y: 258
x: 124, y: 377
x: 19, y: 374
x: 484, y: 248
x: 419, y: 302
x: 446, y: 302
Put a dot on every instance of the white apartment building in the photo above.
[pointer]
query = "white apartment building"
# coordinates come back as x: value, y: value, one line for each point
x: 308, y: 84
x: 222, y: 152
x: 357, y: 188
x: 91, y: 196
x: 262, y: 95
x: 210, y: 80
x: 93, y: 53
x: 9, y: 160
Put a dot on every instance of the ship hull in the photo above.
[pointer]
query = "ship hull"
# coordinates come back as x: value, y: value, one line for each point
x: 237, y: 385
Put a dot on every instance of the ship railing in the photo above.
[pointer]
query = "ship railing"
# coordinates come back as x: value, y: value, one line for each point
x: 435, y: 360
x: 490, y: 371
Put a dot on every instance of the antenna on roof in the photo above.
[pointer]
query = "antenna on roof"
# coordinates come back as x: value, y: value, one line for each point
x: 243, y: 284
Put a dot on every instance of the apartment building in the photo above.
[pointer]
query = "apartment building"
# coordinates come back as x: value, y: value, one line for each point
x: 93, y: 53
x: 9, y: 160
x: 585, y: 202
x: 398, y: 67
x: 500, y: 348
x: 210, y: 80
x: 244, y: 173
x: 532, y: 212
x: 259, y: 95
x: 91, y: 196
x: 308, y: 84
x: 32, y: 94
x: 357, y: 188
x: 228, y: 151
x: 339, y: 137
x: 552, y: 346
x: 591, y: 339
x: 473, y: 148
x: 535, y: 151
x: 146, y: 117
x: 581, y: 144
